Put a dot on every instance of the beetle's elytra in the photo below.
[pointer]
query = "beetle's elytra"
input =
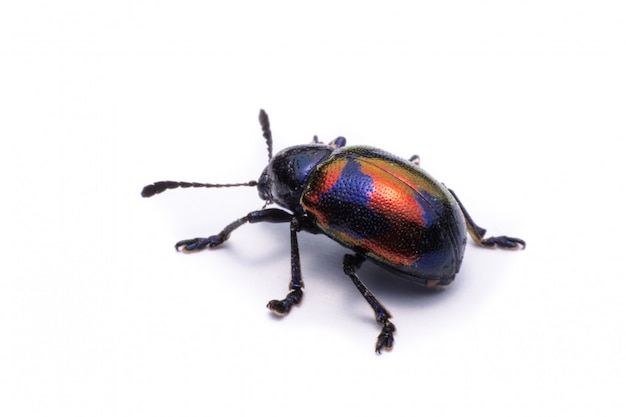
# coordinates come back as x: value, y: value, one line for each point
x: 381, y: 207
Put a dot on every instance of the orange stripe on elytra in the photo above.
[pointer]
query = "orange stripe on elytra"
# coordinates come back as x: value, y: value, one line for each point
x: 407, y: 173
x: 374, y: 249
x: 392, y: 196
x: 325, y: 179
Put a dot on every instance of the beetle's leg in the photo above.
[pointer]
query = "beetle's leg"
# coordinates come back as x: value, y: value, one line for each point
x: 351, y: 263
x: 267, y: 215
x: 282, y: 307
x: 338, y: 142
x: 415, y: 159
x: 478, y: 233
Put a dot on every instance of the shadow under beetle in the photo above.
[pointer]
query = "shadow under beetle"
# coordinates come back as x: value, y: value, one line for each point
x: 383, y: 208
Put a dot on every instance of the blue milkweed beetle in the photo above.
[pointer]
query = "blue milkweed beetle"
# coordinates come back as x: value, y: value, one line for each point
x: 383, y: 208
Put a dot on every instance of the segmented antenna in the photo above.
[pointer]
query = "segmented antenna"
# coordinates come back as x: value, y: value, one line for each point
x: 267, y: 133
x: 160, y: 186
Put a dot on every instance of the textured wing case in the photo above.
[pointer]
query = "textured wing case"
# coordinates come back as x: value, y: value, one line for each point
x: 389, y: 210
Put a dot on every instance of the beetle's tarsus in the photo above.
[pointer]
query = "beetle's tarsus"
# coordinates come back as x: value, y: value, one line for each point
x: 504, y: 242
x: 199, y: 243
x: 190, y: 245
x: 282, y: 307
x: 478, y: 233
x: 385, y: 338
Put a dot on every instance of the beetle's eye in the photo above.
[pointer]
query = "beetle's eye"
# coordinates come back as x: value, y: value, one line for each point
x: 263, y: 186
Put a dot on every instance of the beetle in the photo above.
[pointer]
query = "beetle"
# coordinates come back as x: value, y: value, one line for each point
x: 381, y: 207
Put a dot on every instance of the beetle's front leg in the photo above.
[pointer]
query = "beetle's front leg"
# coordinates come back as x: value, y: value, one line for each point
x: 266, y: 215
x: 478, y: 233
x: 282, y: 307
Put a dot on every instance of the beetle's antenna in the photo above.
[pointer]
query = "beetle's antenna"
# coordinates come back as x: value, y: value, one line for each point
x: 267, y: 133
x: 160, y: 186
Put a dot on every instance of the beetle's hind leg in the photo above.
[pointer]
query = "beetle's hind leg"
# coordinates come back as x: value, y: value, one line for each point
x: 351, y: 263
x: 478, y: 233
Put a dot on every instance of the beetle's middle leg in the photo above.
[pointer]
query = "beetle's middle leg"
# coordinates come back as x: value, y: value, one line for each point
x: 351, y: 263
x: 478, y: 233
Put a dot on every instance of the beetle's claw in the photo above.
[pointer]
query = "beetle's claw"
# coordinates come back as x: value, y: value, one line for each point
x: 504, y: 242
x: 279, y: 307
x: 385, y: 338
x: 190, y: 245
x: 282, y: 307
x: 199, y: 243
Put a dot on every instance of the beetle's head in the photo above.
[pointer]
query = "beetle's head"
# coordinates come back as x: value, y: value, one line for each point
x: 282, y: 181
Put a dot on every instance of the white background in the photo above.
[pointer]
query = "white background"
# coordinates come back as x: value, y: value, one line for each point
x: 519, y: 106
